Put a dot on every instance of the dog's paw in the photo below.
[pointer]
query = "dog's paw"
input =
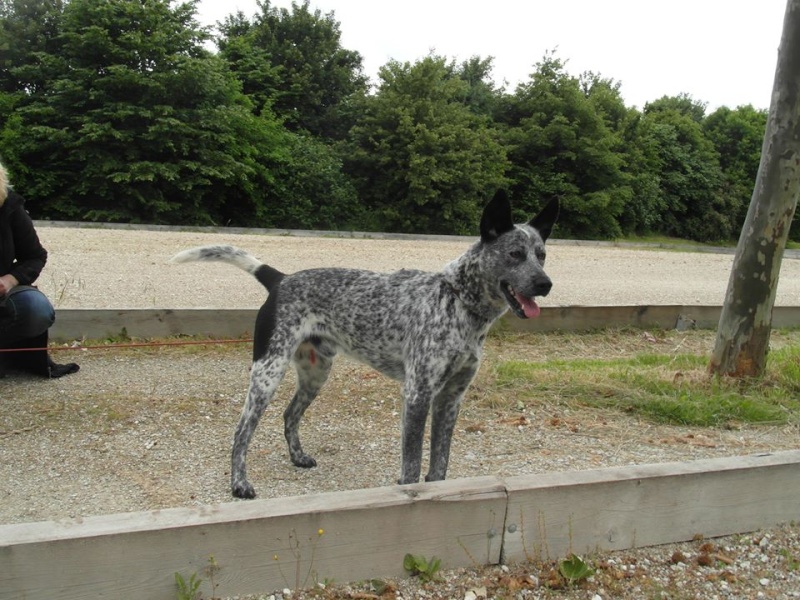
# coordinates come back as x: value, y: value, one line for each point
x: 304, y: 460
x: 243, y: 490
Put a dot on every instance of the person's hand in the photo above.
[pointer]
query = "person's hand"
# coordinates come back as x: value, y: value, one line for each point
x: 6, y: 283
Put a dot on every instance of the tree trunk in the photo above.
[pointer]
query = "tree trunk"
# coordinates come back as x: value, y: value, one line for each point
x: 746, y: 321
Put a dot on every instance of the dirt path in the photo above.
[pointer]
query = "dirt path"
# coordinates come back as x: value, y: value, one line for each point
x: 120, y: 268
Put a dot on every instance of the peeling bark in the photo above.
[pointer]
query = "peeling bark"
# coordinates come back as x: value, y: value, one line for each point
x: 745, y: 324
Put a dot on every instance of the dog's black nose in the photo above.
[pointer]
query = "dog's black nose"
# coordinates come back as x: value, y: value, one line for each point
x: 543, y: 287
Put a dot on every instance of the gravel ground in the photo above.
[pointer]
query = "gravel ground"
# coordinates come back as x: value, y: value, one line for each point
x: 151, y: 428
x: 119, y: 268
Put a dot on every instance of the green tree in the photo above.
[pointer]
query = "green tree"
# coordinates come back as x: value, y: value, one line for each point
x: 119, y: 126
x: 481, y: 95
x: 737, y: 135
x: 294, y: 61
x: 682, y: 103
x: 28, y: 31
x: 421, y: 158
x: 310, y: 190
x: 562, y: 142
x: 252, y: 64
x: 689, y: 174
x: 133, y: 120
x: 644, y: 214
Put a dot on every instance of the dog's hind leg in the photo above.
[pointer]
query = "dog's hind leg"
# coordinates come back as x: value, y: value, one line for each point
x: 444, y: 413
x: 313, y: 361
x: 265, y: 376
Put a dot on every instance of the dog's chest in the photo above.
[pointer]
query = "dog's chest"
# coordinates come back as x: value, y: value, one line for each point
x: 420, y: 352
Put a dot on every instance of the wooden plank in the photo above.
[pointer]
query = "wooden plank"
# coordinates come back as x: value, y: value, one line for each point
x: 783, y: 317
x: 263, y: 545
x: 554, y: 514
x: 80, y: 323
x: 72, y: 324
x: 588, y: 318
x: 258, y: 546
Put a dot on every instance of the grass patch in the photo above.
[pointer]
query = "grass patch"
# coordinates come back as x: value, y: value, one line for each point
x: 668, y: 241
x: 672, y: 388
x: 659, y: 375
x: 683, y: 243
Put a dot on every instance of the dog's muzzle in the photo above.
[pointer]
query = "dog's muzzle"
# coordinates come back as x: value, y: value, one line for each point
x: 525, y: 307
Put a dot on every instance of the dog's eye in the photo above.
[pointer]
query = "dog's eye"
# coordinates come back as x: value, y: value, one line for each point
x: 541, y: 255
x: 517, y: 254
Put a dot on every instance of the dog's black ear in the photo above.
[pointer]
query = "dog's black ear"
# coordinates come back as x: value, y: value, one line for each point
x: 547, y: 217
x: 496, y: 219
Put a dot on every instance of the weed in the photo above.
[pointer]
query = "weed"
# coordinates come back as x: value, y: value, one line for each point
x: 210, y: 570
x: 188, y: 590
x: 295, y: 549
x: 419, y: 566
x: 574, y: 569
x: 62, y: 288
x: 791, y: 562
x: 120, y: 338
x: 382, y: 587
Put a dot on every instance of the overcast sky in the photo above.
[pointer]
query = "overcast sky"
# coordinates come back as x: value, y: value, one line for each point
x: 722, y: 52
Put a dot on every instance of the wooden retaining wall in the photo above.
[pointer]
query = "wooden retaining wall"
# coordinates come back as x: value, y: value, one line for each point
x: 263, y: 545
x: 74, y: 324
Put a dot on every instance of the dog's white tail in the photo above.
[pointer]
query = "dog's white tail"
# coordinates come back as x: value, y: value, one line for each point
x: 229, y: 254
x: 268, y: 276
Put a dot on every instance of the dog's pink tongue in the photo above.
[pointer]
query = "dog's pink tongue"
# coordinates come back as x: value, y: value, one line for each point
x: 529, y: 306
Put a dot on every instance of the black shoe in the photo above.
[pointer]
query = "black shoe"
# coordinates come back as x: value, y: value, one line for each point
x: 56, y: 371
x: 38, y: 361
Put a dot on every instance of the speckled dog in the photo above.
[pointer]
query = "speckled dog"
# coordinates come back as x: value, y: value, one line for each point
x: 424, y: 329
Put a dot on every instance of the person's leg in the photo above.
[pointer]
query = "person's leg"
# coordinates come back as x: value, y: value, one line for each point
x: 24, y: 314
x: 25, y: 317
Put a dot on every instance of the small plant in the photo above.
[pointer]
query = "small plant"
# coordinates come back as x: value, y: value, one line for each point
x: 426, y: 570
x: 120, y: 338
x: 574, y: 569
x: 210, y: 570
x: 62, y: 287
x: 382, y: 587
x: 188, y: 590
x: 294, y: 546
x: 792, y: 563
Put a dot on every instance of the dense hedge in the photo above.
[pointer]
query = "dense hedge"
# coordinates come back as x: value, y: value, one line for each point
x: 112, y: 110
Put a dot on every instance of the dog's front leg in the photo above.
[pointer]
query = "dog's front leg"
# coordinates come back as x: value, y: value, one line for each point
x: 444, y: 414
x: 416, y: 402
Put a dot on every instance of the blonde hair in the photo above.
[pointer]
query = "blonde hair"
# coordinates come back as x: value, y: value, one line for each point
x: 3, y: 184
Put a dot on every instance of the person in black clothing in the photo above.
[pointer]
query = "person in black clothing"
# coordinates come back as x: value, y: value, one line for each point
x: 25, y: 313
